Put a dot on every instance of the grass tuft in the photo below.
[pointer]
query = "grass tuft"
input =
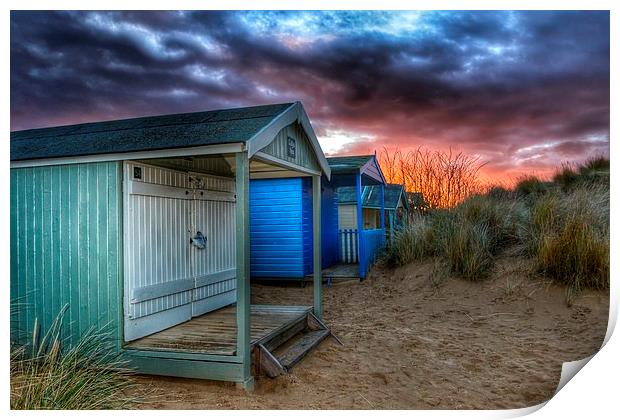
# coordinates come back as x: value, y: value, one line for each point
x: 87, y: 376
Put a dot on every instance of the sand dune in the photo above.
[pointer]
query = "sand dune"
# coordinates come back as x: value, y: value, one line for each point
x: 495, y: 344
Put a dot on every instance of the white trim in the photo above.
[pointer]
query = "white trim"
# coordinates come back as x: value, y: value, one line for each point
x: 373, y: 159
x: 286, y: 164
x: 291, y: 114
x: 179, y: 193
x: 140, y: 327
x: 148, y: 154
x: 305, y: 123
x: 268, y: 133
x: 154, y: 291
x: 218, y: 277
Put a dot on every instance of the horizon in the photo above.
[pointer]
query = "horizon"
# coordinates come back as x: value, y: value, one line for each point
x: 523, y: 91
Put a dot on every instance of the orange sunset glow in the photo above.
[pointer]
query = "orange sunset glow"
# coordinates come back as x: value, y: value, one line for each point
x: 521, y: 92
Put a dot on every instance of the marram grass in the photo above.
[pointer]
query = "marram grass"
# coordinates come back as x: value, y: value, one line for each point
x: 87, y: 376
x: 563, y: 226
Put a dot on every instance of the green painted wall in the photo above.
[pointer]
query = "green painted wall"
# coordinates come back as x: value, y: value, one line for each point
x: 66, y: 232
x: 304, y: 155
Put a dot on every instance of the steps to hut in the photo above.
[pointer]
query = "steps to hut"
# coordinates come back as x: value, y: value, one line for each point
x: 280, y: 353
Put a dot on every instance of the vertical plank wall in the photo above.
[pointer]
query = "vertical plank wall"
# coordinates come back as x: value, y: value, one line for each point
x: 276, y: 228
x: 65, y: 248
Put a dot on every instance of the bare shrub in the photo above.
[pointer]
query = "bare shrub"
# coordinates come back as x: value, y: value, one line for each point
x: 444, y: 178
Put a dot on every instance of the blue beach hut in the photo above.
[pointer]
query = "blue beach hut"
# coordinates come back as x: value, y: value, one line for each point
x: 281, y: 218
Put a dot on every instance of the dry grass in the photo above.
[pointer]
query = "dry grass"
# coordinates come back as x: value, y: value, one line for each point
x: 87, y: 376
x: 563, y: 226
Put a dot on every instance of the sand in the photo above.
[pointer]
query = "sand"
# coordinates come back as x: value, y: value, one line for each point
x: 409, y: 344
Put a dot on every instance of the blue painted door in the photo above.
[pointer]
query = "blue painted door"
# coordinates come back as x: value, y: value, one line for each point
x: 277, y: 228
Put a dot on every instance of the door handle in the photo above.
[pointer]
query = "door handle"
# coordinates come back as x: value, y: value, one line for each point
x: 199, y: 240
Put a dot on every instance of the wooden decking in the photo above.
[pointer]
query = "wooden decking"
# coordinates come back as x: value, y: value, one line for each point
x: 216, y: 332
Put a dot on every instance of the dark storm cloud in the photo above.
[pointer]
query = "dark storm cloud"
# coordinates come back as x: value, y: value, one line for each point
x: 492, y: 83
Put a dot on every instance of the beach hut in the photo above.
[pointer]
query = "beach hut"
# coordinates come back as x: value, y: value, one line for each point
x: 396, y: 207
x: 361, y: 231
x: 280, y: 219
x: 143, y: 226
x: 281, y: 228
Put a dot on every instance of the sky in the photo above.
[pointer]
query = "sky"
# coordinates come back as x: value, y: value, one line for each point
x: 523, y: 91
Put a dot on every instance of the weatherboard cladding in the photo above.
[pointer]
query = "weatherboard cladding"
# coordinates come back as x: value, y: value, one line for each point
x: 141, y: 134
x: 329, y: 226
x: 66, y: 248
x: 302, y: 155
x: 280, y: 228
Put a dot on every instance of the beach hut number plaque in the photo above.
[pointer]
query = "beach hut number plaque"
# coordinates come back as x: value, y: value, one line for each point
x: 291, y: 147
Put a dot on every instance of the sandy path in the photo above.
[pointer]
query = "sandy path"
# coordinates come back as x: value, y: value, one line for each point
x: 408, y: 345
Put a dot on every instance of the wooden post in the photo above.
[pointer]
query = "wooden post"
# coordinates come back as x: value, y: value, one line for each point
x: 382, y: 202
x: 242, y: 209
x: 316, y: 242
x: 360, y: 227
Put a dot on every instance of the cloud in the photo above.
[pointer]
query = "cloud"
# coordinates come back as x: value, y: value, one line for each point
x: 488, y: 83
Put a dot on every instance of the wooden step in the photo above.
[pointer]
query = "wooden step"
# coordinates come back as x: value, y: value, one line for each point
x: 292, y: 352
x: 282, y: 337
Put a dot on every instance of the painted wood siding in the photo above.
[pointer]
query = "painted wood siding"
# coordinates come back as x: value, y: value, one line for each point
x: 306, y: 223
x: 329, y: 226
x: 66, y: 248
x: 276, y: 228
x: 304, y: 154
x: 347, y: 216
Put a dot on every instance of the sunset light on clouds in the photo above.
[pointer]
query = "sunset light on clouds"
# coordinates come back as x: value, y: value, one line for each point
x: 523, y: 91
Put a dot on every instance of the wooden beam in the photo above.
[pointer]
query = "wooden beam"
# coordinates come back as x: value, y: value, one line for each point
x: 382, y: 201
x: 201, y: 369
x: 284, y: 164
x: 242, y: 172
x: 360, y: 227
x: 215, y: 149
x: 316, y: 245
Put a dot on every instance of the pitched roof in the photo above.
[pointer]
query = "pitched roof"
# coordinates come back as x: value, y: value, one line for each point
x: 392, y: 194
x: 146, y: 133
x: 343, y: 164
x: 370, y: 196
x: 346, y: 195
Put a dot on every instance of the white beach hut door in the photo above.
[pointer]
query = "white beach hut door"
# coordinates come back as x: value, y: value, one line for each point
x: 213, y: 252
x: 169, y: 275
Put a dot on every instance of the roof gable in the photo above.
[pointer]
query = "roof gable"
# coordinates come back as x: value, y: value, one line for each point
x: 364, y: 164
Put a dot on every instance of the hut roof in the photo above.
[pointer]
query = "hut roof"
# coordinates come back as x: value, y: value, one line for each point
x: 224, y: 126
x: 370, y: 196
x: 344, y: 164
